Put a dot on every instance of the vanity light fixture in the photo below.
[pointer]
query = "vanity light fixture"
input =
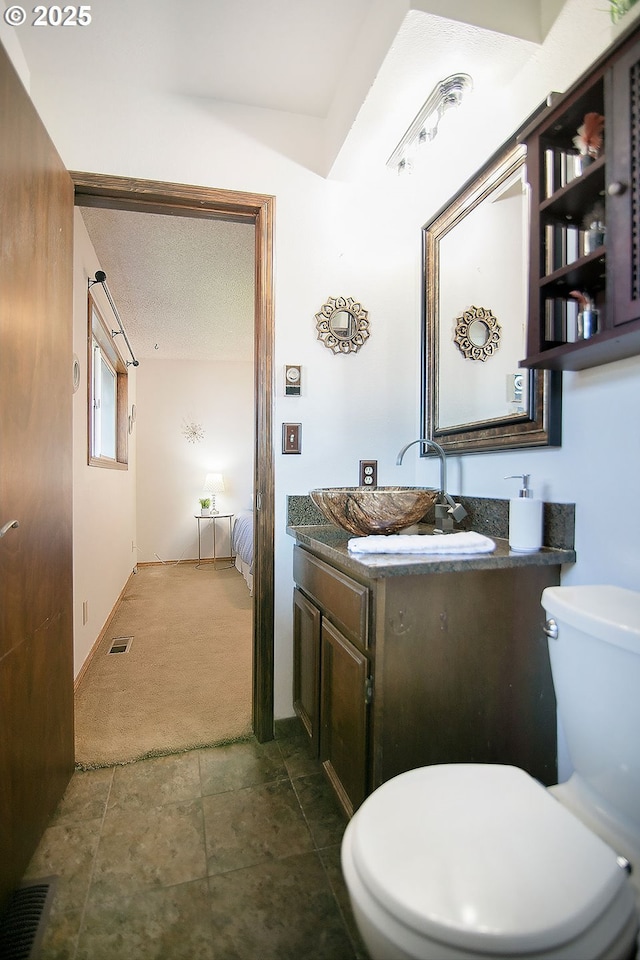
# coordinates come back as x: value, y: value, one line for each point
x: 446, y: 94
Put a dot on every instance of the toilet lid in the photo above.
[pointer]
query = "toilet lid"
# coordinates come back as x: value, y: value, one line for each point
x: 482, y: 856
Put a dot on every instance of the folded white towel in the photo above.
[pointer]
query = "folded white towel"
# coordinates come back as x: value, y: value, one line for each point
x: 457, y: 543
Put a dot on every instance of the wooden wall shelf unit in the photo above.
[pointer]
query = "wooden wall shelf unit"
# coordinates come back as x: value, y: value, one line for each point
x: 562, y: 199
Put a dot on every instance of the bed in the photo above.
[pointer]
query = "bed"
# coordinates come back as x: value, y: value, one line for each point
x: 242, y: 542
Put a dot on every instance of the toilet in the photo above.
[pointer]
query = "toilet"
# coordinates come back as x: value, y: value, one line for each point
x: 459, y: 861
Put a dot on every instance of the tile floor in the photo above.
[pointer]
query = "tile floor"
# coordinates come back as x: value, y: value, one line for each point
x: 228, y: 853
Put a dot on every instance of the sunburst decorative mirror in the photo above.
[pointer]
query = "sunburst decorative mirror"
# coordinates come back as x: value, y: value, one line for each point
x: 342, y: 324
x: 477, y: 333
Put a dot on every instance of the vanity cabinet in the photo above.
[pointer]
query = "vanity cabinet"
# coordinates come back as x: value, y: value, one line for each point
x: 566, y: 199
x: 396, y: 672
x: 332, y: 672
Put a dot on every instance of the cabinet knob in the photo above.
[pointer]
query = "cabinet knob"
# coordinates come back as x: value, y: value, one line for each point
x: 616, y: 188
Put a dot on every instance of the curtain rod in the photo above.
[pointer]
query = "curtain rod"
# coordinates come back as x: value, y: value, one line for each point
x: 101, y: 277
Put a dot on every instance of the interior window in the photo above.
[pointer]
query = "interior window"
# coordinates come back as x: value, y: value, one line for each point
x: 108, y: 396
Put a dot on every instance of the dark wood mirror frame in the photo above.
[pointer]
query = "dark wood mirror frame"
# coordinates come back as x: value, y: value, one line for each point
x: 540, y: 425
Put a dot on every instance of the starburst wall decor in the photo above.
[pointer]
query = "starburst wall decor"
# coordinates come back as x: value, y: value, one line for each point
x: 194, y: 432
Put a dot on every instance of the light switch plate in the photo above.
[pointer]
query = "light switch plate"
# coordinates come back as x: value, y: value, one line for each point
x: 292, y: 438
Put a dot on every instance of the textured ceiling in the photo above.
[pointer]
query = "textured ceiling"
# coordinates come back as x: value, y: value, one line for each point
x: 184, y: 287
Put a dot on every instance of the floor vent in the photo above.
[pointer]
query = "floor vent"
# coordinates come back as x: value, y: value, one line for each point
x: 121, y: 645
x: 23, y: 924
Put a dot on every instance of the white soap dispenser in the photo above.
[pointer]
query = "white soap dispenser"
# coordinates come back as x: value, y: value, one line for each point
x: 525, y: 518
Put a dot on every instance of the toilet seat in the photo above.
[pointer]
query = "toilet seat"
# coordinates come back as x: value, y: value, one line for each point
x: 482, y: 858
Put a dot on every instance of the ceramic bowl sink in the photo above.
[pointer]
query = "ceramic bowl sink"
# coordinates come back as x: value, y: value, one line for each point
x: 365, y: 510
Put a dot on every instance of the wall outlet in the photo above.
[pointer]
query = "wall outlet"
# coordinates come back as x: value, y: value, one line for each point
x: 368, y: 473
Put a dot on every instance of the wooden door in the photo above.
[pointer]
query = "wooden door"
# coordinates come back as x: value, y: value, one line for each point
x: 36, y: 634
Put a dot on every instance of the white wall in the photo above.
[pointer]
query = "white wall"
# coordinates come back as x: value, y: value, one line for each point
x: 103, y: 500
x: 171, y: 469
x: 362, y: 239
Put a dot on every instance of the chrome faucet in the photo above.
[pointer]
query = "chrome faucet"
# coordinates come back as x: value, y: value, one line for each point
x: 448, y: 511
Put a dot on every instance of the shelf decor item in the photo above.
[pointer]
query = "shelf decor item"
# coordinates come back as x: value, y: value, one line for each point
x: 623, y: 14
x: 587, y: 323
x: 618, y: 8
x: 595, y: 228
x: 588, y: 140
x: 205, y: 507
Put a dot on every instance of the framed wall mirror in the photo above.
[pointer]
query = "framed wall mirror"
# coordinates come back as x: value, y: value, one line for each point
x: 342, y: 325
x: 474, y: 397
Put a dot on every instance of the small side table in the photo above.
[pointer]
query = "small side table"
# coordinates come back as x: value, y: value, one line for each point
x: 213, y: 517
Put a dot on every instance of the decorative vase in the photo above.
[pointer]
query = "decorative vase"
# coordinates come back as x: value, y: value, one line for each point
x: 584, y: 160
x: 594, y: 236
x: 587, y: 323
x: 205, y: 511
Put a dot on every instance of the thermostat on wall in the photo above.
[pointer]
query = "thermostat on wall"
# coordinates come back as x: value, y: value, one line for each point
x: 292, y: 380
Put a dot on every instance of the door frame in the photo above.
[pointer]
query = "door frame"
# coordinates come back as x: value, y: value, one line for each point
x: 185, y: 200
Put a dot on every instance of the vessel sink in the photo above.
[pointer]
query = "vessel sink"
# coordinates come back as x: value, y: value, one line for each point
x: 365, y: 510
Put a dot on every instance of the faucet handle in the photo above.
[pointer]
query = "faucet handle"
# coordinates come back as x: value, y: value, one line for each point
x: 457, y: 511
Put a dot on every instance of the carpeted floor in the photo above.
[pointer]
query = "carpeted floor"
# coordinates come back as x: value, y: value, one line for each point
x: 186, y: 680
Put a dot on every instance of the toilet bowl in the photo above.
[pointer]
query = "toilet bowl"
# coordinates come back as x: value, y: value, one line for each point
x: 477, y: 860
x: 461, y: 860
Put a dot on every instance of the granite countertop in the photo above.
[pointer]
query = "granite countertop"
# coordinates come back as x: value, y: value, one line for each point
x: 309, y: 528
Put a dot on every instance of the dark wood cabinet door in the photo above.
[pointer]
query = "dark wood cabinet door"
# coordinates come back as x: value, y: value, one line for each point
x: 469, y: 679
x: 623, y: 190
x: 36, y: 353
x: 343, y: 709
x: 306, y: 665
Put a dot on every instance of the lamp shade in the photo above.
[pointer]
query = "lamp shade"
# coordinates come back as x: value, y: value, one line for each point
x: 213, y: 483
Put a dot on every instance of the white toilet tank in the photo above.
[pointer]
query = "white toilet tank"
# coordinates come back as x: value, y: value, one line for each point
x: 595, y: 661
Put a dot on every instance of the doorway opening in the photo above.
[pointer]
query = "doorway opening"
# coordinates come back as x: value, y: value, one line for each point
x: 184, y: 200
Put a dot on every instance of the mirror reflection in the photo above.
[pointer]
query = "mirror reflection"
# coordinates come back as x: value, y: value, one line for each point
x: 478, y: 333
x: 473, y: 271
x: 343, y: 324
x: 476, y: 297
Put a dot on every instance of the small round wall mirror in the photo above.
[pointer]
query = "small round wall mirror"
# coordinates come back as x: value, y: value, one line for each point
x: 477, y: 333
x: 342, y: 324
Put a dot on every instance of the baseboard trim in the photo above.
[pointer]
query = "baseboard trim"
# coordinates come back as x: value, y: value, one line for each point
x: 101, y: 635
x: 182, y: 563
